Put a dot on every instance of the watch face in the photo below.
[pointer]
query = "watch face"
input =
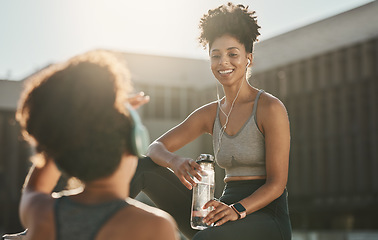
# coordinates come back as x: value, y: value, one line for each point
x: 239, y: 207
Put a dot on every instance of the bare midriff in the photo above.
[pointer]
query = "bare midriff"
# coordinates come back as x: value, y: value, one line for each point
x: 241, y: 178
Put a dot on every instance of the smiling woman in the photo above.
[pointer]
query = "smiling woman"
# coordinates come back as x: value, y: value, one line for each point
x: 251, y: 141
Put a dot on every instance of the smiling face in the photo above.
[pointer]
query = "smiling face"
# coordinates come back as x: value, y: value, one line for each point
x: 229, y: 60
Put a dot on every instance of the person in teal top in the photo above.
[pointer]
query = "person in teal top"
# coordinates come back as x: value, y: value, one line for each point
x: 76, y: 116
x: 251, y: 141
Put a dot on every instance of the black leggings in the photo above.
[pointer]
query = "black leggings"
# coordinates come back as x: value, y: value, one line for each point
x: 169, y: 194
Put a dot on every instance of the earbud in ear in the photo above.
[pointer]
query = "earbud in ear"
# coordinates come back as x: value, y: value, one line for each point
x: 249, y: 62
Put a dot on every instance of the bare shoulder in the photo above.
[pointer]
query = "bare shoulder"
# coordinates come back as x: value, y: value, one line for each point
x: 162, y: 225
x: 37, y: 215
x: 199, y: 122
x: 211, y: 106
x: 133, y: 221
x: 35, y: 205
x: 201, y: 119
x: 206, y: 114
x: 207, y: 110
x: 269, y: 104
x: 271, y: 113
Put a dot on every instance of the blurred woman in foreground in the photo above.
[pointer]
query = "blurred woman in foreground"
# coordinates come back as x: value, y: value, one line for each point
x: 74, y: 113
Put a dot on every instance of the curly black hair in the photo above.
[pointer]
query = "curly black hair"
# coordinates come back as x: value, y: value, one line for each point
x: 234, y: 20
x: 74, y: 114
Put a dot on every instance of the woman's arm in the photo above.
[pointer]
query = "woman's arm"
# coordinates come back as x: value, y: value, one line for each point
x: 275, y: 126
x: 276, y: 129
x: 38, y: 186
x: 162, y: 149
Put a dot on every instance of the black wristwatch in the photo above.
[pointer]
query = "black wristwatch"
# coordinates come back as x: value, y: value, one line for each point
x: 239, y: 209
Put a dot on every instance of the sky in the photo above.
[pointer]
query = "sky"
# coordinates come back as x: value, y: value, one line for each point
x: 36, y: 33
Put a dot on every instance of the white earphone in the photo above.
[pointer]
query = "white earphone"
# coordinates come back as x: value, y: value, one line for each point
x: 223, y: 128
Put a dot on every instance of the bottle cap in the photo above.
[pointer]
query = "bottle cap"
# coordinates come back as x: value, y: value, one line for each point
x: 204, y: 157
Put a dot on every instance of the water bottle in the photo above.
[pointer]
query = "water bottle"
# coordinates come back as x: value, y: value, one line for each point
x: 203, y: 192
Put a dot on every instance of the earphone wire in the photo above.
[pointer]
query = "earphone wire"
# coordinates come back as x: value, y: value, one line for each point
x: 223, y: 128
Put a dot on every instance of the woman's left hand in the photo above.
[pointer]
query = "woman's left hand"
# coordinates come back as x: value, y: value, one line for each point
x: 221, y: 214
x: 138, y: 100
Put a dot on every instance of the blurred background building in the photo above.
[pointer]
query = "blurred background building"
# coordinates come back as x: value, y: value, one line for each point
x: 326, y: 74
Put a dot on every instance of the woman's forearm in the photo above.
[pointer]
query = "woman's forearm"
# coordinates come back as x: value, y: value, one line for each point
x: 159, y: 154
x: 263, y: 196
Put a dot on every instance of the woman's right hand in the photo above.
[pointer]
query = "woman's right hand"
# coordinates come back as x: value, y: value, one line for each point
x: 186, y: 169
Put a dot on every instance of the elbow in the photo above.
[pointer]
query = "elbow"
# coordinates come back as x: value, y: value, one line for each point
x: 277, y: 192
x: 276, y: 189
x: 280, y: 191
x: 151, y: 147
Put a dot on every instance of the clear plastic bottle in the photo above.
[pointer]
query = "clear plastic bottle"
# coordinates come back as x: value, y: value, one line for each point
x: 203, y: 192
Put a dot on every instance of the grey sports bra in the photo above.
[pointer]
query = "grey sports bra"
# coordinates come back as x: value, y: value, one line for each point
x: 242, y: 154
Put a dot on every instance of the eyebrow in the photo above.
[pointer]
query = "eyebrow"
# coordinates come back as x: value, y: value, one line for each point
x: 230, y: 48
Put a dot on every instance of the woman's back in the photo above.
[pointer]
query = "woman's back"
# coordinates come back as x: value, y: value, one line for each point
x: 63, y: 218
x: 75, y: 220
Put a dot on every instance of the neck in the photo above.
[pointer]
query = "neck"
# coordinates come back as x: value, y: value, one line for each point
x: 101, y: 191
x: 115, y: 186
x: 238, y: 93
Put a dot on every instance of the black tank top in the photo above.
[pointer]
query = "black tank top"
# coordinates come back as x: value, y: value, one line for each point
x: 81, y: 221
